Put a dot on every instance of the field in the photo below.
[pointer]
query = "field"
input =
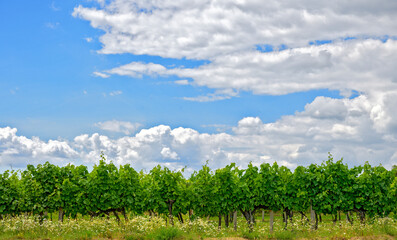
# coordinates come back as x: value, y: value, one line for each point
x: 146, y: 227
x: 110, y: 202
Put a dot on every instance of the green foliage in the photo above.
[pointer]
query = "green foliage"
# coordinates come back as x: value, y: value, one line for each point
x: 168, y: 187
x: 271, y: 187
x: 130, y: 190
x: 373, y: 191
x: 203, y: 193
x: 330, y: 188
x: 71, y: 191
x: 225, y: 182
x: 32, y: 191
x: 151, y: 197
x: 297, y: 193
x: 248, y: 189
x: 392, y: 195
x: 336, y: 187
x: 9, y: 192
x: 102, y: 188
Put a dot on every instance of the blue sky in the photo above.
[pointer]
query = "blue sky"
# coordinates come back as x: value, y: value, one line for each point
x: 211, y: 76
x: 48, y: 66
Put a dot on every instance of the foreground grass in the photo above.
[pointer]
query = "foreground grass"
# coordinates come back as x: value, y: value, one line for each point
x: 144, y: 227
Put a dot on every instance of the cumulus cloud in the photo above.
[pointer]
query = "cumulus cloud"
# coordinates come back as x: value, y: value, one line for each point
x: 348, y: 128
x: 208, y: 29
x: 365, y: 66
x: 119, y: 126
x: 168, y: 154
x: 359, y: 56
x: 20, y: 150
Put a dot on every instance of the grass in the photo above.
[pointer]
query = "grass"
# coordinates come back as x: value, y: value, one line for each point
x: 145, y: 227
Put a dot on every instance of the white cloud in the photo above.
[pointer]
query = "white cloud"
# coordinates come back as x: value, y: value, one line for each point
x: 207, y: 98
x: 119, y: 126
x: 182, y: 82
x: 166, y: 153
x: 138, y: 69
x: 365, y: 66
x: 356, y: 134
x: 102, y: 75
x: 207, y: 29
x: 226, y: 33
x: 115, y: 93
x: 88, y: 39
x: 20, y: 150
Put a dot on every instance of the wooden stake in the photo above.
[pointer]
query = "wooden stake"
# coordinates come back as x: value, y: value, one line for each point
x: 271, y: 220
x: 235, y: 220
x: 312, y: 217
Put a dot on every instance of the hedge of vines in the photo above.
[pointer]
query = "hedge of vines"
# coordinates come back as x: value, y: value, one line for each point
x: 329, y: 188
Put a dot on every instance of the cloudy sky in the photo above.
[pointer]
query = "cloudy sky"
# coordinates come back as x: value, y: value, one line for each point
x: 178, y: 83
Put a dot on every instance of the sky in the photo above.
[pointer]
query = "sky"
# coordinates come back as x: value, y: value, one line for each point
x: 180, y: 83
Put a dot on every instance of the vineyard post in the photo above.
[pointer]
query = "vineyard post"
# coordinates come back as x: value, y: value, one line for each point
x: 60, y: 215
x: 271, y: 221
x: 312, y: 216
x: 235, y: 220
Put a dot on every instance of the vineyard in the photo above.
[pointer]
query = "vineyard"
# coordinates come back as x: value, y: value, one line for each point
x: 230, y: 195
